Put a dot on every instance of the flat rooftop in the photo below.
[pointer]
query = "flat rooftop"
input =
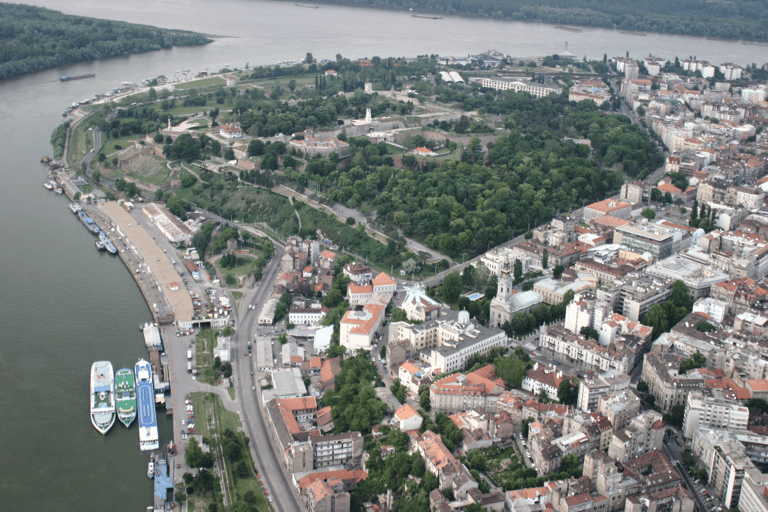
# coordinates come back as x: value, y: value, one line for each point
x: 158, y: 261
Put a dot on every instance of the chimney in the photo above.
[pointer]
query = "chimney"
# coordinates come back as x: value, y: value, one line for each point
x: 559, y: 374
x: 536, y: 366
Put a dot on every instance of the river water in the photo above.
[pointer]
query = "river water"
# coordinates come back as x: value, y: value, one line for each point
x: 65, y: 305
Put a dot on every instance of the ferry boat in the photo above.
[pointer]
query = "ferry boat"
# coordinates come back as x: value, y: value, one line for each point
x: 145, y: 394
x: 102, y: 396
x: 125, y: 396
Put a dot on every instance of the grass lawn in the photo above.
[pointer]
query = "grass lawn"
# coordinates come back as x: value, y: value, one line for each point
x: 149, y: 169
x: 205, y: 82
x: 237, y: 295
x: 204, y: 344
x: 86, y: 189
x: 245, y: 265
x: 450, y: 156
x: 108, y: 146
x: 208, y: 405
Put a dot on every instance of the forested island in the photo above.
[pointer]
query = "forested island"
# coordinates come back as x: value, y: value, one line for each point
x: 739, y: 19
x: 35, y: 39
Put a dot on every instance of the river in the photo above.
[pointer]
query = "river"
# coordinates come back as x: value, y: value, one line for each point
x: 66, y: 305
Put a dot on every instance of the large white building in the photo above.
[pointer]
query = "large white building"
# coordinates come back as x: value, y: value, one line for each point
x: 518, y: 85
x: 710, y: 412
x: 447, y: 341
x: 168, y: 224
x: 357, y: 328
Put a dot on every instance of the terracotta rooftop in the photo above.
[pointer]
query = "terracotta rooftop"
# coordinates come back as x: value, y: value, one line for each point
x: 609, y: 205
x: 667, y: 187
x: 364, y: 326
x: 609, y: 220
x: 405, y: 412
x: 342, y: 474
x: 383, y: 279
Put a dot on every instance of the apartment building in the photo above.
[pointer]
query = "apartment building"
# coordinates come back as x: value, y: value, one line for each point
x: 660, y: 372
x: 703, y: 411
x: 593, y: 387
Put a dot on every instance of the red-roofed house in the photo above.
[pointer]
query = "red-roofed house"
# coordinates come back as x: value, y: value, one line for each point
x: 327, y: 259
x: 407, y: 418
x: 383, y: 283
x: 359, y: 293
x: 349, y: 478
x: 358, y: 328
x: 668, y: 187
x: 328, y: 372
x: 758, y: 388
x: 324, y: 419
x: 620, y: 209
x: 424, y: 152
x: 230, y: 131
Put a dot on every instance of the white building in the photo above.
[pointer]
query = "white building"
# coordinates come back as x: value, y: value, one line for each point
x: 592, y: 388
x: 506, y: 304
x: 229, y: 131
x: 543, y: 378
x: 717, y: 309
x: 357, y: 328
x: 711, y: 412
x: 306, y: 312
x: 408, y: 418
x: 535, y: 89
x: 447, y: 341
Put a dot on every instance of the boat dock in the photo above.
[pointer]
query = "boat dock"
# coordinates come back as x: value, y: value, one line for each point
x: 150, y: 267
x: 163, y: 482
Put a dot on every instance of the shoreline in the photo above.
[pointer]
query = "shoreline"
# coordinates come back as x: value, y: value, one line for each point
x: 434, y: 14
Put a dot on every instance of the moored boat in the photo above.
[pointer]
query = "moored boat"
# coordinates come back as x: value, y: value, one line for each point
x: 125, y: 396
x: 88, y: 222
x: 48, y: 185
x: 75, y: 208
x: 145, y: 395
x: 102, y: 396
x: 108, y: 245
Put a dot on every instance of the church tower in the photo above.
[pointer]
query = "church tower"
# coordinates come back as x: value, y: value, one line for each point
x: 501, y: 305
x: 505, y: 288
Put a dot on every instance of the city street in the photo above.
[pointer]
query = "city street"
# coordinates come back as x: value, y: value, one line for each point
x: 273, y: 473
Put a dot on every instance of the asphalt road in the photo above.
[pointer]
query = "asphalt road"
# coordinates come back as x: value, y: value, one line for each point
x: 273, y: 474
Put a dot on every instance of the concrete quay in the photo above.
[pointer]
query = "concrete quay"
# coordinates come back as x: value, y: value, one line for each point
x: 176, y: 303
